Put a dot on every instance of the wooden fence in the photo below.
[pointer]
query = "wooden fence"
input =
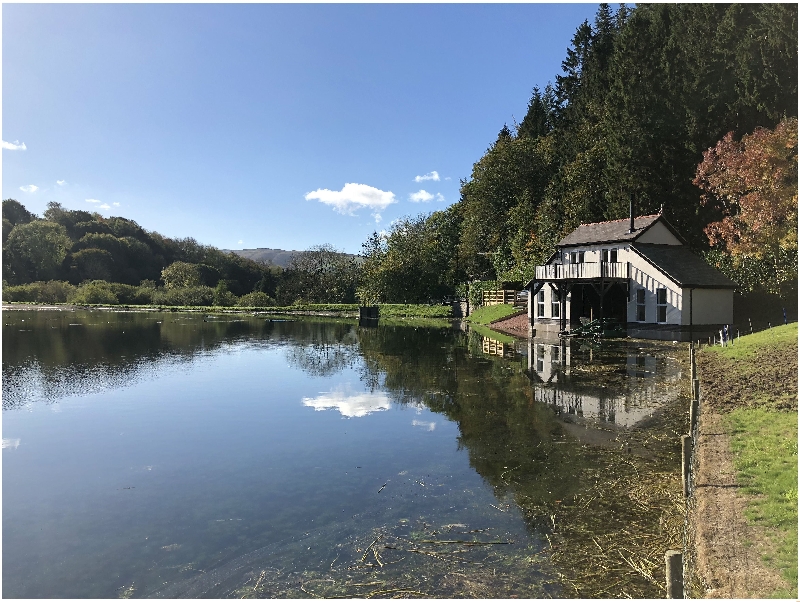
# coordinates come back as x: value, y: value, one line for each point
x: 499, y: 297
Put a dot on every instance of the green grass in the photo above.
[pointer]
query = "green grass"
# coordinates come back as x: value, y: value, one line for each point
x: 492, y: 334
x: 387, y: 310
x: 489, y: 313
x: 764, y: 444
x: 746, y: 346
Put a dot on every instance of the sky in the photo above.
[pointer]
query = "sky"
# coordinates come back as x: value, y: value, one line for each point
x: 265, y: 125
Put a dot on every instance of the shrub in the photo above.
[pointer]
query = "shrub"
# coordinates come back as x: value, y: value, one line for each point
x: 185, y: 295
x: 53, y: 291
x: 256, y: 299
x: 222, y: 296
x: 94, y: 292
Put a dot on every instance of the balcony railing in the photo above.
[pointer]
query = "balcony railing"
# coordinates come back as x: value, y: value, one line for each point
x: 583, y: 271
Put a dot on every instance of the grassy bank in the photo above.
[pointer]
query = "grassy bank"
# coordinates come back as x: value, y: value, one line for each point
x: 487, y: 314
x: 753, y: 384
x: 389, y: 310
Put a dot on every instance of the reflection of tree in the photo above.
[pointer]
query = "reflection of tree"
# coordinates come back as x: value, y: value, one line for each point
x: 47, y: 355
x: 511, y: 441
x: 609, y: 506
x: 323, y: 348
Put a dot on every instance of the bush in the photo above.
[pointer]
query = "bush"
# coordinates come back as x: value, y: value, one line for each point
x: 256, y: 299
x: 185, y: 295
x: 222, y: 296
x: 94, y: 292
x: 53, y: 291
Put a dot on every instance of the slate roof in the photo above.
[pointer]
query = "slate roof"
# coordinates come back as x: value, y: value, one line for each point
x: 607, y: 232
x: 683, y: 266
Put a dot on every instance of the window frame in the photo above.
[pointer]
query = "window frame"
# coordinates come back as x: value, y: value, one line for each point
x: 661, y: 306
x: 540, y: 304
x: 641, y: 305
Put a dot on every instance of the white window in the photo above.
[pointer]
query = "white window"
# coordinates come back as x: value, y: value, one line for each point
x: 540, y: 305
x: 640, y: 307
x: 555, y: 306
x: 661, y: 305
x: 610, y: 255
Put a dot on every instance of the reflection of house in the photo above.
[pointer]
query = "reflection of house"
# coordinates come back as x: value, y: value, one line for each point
x: 636, y: 271
x: 548, y: 360
x: 566, y: 378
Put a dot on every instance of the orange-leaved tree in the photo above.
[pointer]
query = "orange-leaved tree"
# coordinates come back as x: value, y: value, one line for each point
x: 753, y: 185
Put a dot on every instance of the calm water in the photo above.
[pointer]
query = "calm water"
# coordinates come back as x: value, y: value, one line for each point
x: 150, y: 454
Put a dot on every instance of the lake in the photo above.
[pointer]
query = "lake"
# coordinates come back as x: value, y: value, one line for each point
x: 188, y: 455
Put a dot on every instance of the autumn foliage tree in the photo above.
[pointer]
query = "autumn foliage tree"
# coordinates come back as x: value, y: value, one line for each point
x: 752, y: 184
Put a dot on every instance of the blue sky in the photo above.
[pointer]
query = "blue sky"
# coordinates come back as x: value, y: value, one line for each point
x: 265, y: 125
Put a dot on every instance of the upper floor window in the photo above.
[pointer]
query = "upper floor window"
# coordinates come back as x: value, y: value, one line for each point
x: 609, y: 255
x: 575, y: 257
x: 661, y: 305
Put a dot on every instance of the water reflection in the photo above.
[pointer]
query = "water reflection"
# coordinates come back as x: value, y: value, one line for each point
x: 486, y: 452
x: 620, y: 382
x: 349, y: 403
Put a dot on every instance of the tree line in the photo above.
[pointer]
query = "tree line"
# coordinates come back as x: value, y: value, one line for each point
x: 685, y: 109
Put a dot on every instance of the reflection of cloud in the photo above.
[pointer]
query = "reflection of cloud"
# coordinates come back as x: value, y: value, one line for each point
x: 12, y: 443
x: 352, y: 405
x: 428, y: 426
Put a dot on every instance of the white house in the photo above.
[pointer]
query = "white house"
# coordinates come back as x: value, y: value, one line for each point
x: 637, y: 271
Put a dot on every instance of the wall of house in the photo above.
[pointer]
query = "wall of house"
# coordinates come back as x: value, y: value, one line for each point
x: 659, y: 234
x: 644, y: 275
x: 549, y: 296
x: 710, y: 306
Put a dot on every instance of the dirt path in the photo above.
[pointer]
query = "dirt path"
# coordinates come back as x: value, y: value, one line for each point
x: 728, y: 550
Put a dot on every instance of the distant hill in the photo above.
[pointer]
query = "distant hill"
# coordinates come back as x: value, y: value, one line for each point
x: 277, y: 257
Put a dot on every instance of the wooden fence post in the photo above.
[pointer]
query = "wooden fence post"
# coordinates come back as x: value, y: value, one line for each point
x: 686, y: 462
x: 674, y: 562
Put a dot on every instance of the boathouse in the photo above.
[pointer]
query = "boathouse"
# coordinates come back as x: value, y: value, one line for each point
x: 636, y: 271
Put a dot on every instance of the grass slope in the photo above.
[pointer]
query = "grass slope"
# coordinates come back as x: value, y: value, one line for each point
x: 754, y: 383
x: 487, y: 314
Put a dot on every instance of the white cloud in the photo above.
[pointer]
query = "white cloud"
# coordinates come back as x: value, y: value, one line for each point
x: 349, y: 404
x: 61, y: 182
x: 241, y: 242
x: 92, y: 201
x: 14, y: 145
x: 115, y: 204
x: 104, y: 206
x: 423, y: 196
x: 29, y: 188
x: 353, y: 197
x: 434, y: 175
x: 448, y: 178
